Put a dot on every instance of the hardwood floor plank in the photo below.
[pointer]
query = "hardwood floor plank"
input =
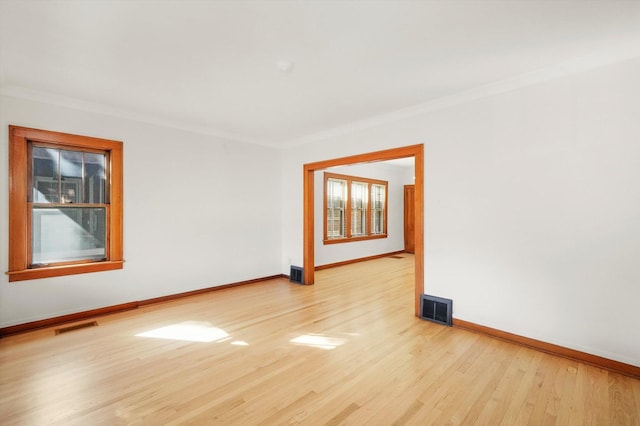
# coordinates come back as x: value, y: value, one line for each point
x: 635, y: 385
x: 563, y: 404
x: 592, y: 403
x: 622, y: 407
x: 554, y: 369
x: 496, y: 406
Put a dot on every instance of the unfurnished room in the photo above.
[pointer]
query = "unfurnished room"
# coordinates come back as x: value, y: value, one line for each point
x: 266, y: 212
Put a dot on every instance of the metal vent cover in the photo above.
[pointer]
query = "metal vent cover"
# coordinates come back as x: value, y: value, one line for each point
x: 436, y: 309
x: 296, y: 274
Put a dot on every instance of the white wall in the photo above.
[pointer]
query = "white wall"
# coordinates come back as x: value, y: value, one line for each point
x: 396, y: 179
x: 532, y: 207
x: 532, y: 210
x: 198, y: 212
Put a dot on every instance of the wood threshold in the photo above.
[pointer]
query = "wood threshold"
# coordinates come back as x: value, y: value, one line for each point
x: 92, y: 313
x: 595, y: 360
x: 360, y: 259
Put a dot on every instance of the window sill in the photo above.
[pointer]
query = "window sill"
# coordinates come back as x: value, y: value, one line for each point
x: 353, y: 239
x: 59, y: 271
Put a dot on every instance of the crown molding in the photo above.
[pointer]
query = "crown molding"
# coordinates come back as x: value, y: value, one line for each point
x: 601, y: 58
x: 574, y: 66
x: 94, y: 107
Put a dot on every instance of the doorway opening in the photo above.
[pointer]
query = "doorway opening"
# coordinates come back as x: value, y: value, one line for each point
x: 415, y: 151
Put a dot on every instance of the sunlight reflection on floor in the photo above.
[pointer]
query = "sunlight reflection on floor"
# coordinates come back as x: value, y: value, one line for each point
x: 319, y: 341
x: 192, y: 331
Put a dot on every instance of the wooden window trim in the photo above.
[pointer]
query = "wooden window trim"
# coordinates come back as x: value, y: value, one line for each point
x: 348, y: 238
x: 19, y: 190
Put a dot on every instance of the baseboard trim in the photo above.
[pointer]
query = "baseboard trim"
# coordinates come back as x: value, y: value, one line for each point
x: 360, y: 259
x: 171, y: 297
x: 92, y: 313
x: 65, y: 319
x: 597, y: 361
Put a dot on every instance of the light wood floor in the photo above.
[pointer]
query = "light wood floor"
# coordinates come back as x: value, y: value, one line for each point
x: 345, y: 351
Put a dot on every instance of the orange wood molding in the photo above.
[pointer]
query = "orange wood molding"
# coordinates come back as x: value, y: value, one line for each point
x: 361, y: 259
x: 387, y: 154
x: 20, y: 202
x: 55, y: 271
x: 205, y: 290
x: 348, y: 208
x: 419, y: 227
x: 65, y: 319
x: 354, y: 239
x: 597, y: 361
x: 308, y: 225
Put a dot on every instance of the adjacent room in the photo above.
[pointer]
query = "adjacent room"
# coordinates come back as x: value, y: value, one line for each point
x: 319, y: 212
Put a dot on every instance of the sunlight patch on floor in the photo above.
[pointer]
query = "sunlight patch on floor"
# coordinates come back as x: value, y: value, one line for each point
x: 318, y: 341
x: 192, y: 331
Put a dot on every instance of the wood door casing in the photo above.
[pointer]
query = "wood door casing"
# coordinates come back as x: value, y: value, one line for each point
x: 409, y: 219
x: 415, y: 151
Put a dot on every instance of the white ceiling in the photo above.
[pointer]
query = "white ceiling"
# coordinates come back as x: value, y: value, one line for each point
x: 211, y: 65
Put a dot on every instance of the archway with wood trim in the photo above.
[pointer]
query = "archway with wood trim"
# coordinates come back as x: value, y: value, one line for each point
x: 415, y: 151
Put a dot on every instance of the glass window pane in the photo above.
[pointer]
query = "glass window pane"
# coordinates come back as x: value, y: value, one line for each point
x: 70, y: 176
x: 358, y: 208
x: 377, y: 195
x: 336, y: 193
x: 46, y: 186
x: 377, y: 208
x: 333, y: 224
x: 94, y: 178
x: 336, y: 201
x: 378, y: 222
x: 68, y: 233
x: 358, y: 223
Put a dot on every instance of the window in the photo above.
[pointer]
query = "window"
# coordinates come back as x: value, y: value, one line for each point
x: 358, y: 209
x: 65, y: 204
x: 336, y: 200
x: 355, y: 208
x: 378, y: 208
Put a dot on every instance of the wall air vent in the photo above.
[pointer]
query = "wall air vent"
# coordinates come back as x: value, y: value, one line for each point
x: 436, y: 309
x: 296, y: 274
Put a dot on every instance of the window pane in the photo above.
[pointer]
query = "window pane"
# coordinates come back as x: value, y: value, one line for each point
x: 378, y: 222
x: 377, y: 196
x: 358, y: 208
x: 336, y: 200
x: 377, y: 208
x: 336, y: 193
x: 67, y: 234
x: 46, y: 186
x: 335, y: 224
x: 94, y: 178
x: 70, y: 176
